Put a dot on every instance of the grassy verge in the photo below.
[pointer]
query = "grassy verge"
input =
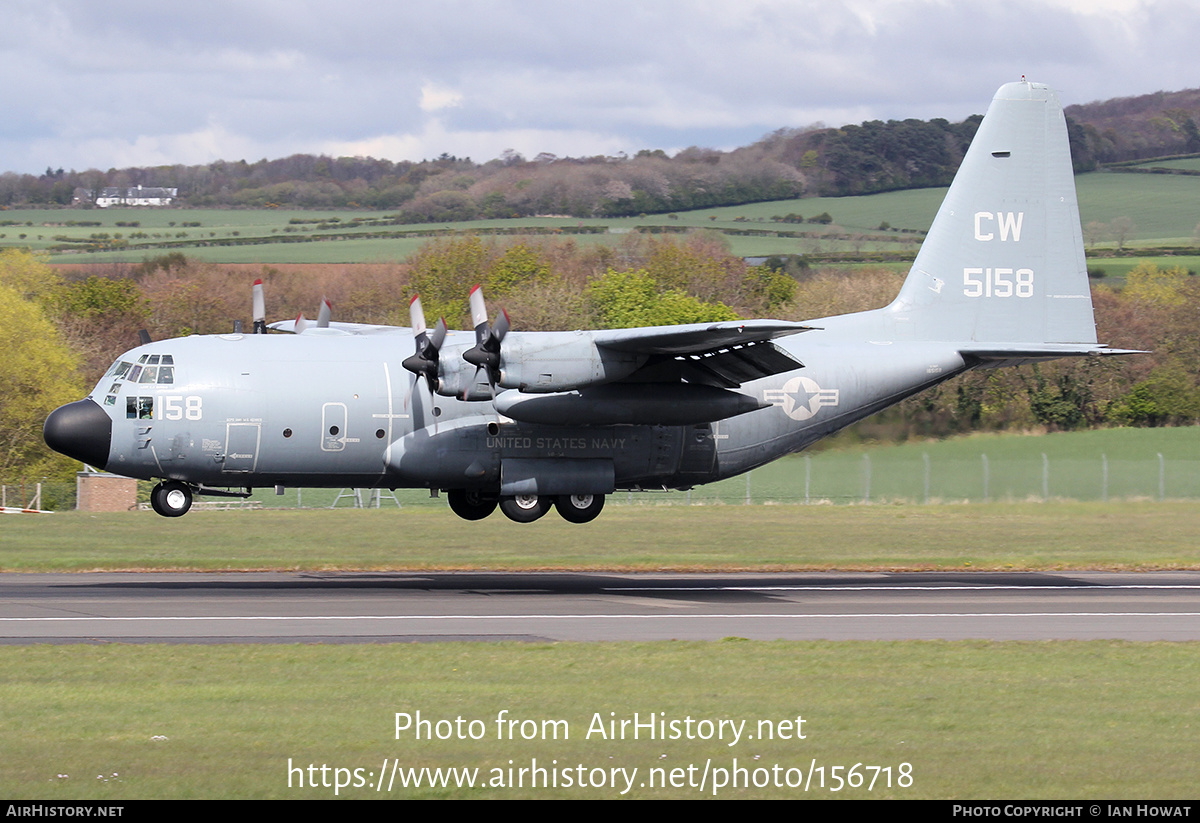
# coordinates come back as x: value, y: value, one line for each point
x: 1114, y: 535
x: 973, y: 719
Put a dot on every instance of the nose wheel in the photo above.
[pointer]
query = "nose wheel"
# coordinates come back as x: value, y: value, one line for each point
x: 171, y: 498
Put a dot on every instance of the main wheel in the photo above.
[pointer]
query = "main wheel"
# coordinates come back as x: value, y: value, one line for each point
x: 471, y: 504
x: 525, y: 508
x: 579, y: 508
x: 171, y: 498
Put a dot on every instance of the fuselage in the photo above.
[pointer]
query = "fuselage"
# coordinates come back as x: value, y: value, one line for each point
x: 338, y: 410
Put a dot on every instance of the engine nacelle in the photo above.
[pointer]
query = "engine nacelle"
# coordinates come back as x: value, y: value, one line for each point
x: 561, y: 361
x: 541, y: 363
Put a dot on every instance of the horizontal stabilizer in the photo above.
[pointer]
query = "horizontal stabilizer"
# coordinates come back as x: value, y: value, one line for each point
x: 1010, y: 354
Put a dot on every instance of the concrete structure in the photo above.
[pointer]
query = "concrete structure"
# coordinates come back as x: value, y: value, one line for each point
x: 104, y: 492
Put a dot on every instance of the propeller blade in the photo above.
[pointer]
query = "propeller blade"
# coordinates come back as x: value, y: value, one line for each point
x: 424, y: 359
x: 479, y: 320
x: 416, y: 315
x: 325, y: 314
x: 485, y: 354
x: 259, y: 306
x: 301, y: 323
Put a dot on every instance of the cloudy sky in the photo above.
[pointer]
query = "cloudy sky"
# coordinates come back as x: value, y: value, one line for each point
x: 143, y: 82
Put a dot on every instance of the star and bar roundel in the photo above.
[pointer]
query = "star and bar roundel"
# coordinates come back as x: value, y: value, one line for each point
x: 801, y: 398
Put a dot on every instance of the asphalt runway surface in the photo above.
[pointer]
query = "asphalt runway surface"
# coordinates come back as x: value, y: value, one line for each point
x: 396, y: 607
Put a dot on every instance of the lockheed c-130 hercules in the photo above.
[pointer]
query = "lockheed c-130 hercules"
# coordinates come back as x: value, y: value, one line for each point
x: 529, y: 420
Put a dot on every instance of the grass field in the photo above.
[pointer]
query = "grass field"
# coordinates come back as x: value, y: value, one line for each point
x: 973, y: 720
x: 640, y: 538
x: 970, y: 719
x: 1162, y: 208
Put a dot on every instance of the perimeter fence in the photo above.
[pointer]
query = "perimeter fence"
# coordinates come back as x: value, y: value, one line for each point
x: 820, y: 479
x: 825, y: 478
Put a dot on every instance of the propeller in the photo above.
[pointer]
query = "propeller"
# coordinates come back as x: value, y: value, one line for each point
x: 485, y: 354
x: 260, y: 308
x: 323, y: 316
x: 424, y: 361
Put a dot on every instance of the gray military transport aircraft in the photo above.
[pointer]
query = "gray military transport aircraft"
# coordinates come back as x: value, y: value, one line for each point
x: 530, y: 420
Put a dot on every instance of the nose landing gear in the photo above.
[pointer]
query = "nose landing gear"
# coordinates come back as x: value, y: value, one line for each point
x: 171, y: 498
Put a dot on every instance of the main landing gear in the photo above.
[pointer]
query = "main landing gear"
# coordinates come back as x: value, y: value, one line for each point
x: 171, y: 498
x: 471, y: 504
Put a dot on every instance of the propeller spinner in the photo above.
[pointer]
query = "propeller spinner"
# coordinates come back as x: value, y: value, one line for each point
x: 486, y: 352
x: 424, y: 361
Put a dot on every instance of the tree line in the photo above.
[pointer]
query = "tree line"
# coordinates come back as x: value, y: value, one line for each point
x: 853, y: 159
x: 62, y: 328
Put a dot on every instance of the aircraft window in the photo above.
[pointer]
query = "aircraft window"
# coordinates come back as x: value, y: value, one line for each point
x: 139, y: 408
x: 122, y: 367
x: 116, y: 387
x: 333, y: 430
x: 166, y: 374
x: 143, y: 358
x: 379, y: 433
x: 133, y: 373
x: 153, y: 361
x: 111, y: 400
x: 149, y: 375
x: 287, y: 432
x: 168, y: 360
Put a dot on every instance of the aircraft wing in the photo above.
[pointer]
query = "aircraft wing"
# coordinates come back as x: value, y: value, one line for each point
x: 344, y: 328
x: 724, y: 355
x: 695, y: 338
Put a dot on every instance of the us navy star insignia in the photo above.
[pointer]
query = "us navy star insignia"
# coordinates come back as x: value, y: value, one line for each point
x: 801, y: 397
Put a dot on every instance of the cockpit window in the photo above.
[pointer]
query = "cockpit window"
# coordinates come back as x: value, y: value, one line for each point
x: 155, y: 369
x: 139, y: 408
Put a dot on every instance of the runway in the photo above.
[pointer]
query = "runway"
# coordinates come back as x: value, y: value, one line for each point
x: 390, y: 607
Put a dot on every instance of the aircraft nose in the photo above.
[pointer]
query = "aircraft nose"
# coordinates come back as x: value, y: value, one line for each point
x: 80, y: 430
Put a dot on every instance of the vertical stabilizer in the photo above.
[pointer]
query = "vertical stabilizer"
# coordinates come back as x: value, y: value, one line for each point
x: 1003, y: 261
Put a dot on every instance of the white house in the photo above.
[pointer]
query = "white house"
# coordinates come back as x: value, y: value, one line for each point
x: 133, y: 196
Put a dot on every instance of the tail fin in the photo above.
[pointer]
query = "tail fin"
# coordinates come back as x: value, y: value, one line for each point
x: 1003, y: 262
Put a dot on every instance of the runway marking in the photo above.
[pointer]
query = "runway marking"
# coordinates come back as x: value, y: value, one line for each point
x: 704, y: 616
x: 885, y: 588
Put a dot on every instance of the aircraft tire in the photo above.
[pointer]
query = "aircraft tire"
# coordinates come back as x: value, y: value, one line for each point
x: 579, y: 508
x: 471, y: 504
x: 171, y: 499
x: 525, y: 508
